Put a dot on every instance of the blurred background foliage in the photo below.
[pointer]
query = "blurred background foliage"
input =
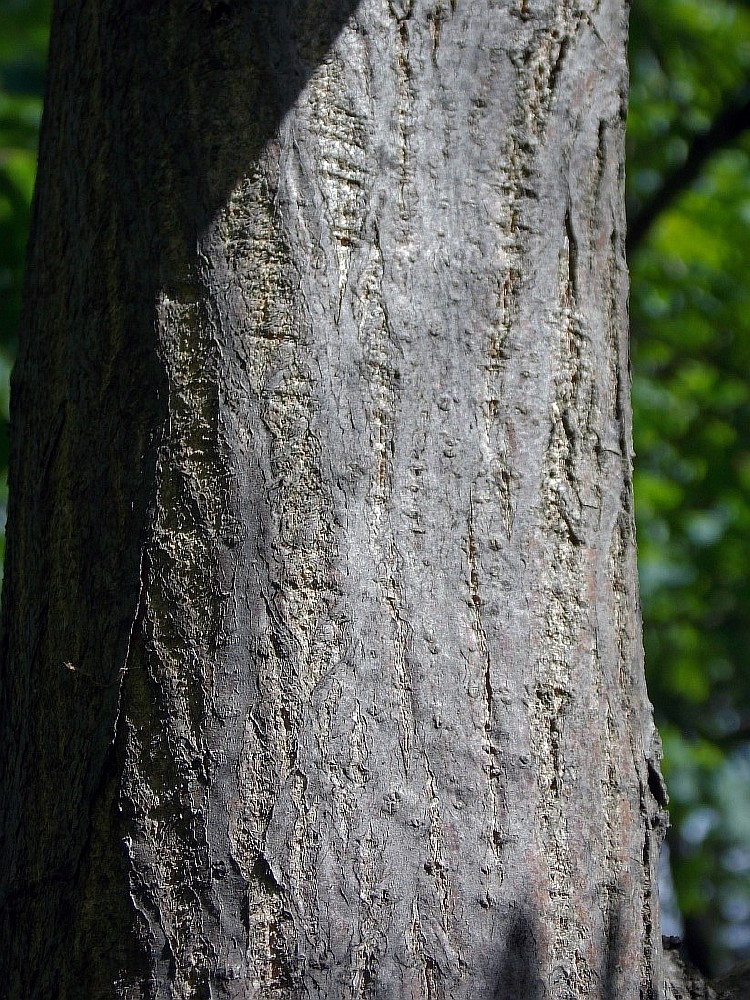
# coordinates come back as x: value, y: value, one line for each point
x: 689, y: 243
x: 689, y: 236
x: 23, y: 52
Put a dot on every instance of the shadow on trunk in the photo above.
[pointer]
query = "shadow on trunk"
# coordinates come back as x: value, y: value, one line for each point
x: 149, y: 106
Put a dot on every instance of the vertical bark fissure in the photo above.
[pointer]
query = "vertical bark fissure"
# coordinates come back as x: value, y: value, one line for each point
x: 489, y: 746
x: 402, y: 11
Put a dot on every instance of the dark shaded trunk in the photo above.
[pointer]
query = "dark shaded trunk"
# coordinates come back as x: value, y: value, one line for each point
x: 322, y: 671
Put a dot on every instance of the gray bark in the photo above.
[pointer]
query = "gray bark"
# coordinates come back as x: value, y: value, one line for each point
x: 322, y: 672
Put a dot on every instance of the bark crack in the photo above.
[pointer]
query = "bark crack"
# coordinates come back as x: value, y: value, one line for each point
x: 489, y: 747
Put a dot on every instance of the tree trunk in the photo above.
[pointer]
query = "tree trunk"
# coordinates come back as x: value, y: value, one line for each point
x: 322, y: 671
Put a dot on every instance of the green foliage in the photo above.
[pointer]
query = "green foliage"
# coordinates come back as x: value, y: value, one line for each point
x: 691, y: 363
x: 23, y: 51
x: 691, y: 390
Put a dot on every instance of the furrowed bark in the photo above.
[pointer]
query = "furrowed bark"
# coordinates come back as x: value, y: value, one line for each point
x: 322, y: 673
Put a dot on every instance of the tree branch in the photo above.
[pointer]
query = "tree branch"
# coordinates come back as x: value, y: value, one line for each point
x: 684, y: 982
x: 725, y: 129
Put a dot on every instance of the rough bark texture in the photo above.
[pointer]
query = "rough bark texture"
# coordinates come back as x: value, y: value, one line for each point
x: 321, y: 658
